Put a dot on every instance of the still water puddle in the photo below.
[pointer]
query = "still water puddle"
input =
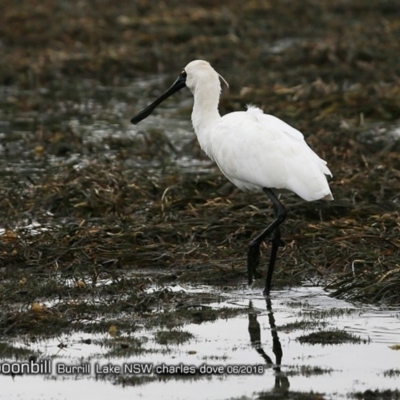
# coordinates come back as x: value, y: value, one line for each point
x: 248, y: 348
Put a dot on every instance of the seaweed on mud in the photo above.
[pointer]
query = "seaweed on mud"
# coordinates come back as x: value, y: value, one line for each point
x: 91, y: 225
x: 329, y: 337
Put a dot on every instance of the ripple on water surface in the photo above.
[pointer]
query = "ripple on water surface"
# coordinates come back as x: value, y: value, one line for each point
x: 247, y: 339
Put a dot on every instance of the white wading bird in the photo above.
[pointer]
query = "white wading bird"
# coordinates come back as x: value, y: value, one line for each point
x: 255, y: 151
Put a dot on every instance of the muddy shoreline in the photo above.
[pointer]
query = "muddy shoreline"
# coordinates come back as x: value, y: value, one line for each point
x: 96, y: 212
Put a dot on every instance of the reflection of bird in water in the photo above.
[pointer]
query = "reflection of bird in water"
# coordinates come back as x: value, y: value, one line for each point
x: 255, y: 151
x: 281, y: 380
x: 255, y: 335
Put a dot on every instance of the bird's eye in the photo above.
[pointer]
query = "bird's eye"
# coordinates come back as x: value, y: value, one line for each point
x: 183, y: 72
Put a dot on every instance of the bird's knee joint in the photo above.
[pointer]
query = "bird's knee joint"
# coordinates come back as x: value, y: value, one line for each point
x: 253, y: 245
x: 281, y: 216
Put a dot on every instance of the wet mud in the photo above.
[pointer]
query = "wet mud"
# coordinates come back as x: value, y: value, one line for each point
x: 101, y: 220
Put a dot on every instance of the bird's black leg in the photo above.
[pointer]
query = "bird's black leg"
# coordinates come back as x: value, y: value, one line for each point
x: 253, y: 255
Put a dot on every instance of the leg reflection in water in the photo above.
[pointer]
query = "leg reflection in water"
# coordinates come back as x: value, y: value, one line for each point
x: 281, y: 380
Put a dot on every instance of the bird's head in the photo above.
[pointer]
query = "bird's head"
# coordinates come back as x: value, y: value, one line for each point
x: 200, y: 73
x: 196, y: 74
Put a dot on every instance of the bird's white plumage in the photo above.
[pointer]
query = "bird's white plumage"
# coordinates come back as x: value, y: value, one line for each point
x: 253, y: 150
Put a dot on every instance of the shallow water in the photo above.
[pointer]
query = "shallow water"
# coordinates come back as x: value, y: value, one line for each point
x: 341, y: 368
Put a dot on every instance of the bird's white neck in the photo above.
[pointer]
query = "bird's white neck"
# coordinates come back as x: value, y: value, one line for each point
x: 205, y: 112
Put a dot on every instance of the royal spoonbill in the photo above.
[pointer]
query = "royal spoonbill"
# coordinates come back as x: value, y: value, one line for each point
x: 255, y: 151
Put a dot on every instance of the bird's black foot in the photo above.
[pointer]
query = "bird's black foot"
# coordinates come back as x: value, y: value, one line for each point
x: 266, y: 292
x: 253, y: 260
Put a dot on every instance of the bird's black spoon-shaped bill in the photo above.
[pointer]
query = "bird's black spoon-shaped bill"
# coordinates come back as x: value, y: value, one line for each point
x: 177, y: 85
